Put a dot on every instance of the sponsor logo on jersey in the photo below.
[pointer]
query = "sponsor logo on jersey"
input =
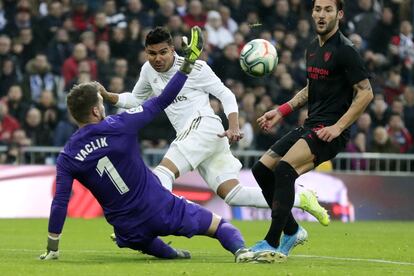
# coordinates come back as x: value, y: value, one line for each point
x: 316, y: 73
x: 180, y: 99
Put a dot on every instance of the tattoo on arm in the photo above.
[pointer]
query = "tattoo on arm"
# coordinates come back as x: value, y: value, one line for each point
x: 300, y: 99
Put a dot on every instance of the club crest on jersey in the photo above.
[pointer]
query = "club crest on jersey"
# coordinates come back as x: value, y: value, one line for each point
x: 135, y: 110
x: 327, y: 56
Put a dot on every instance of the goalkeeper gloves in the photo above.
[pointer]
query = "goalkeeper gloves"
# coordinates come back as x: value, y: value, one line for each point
x: 192, y: 51
x: 52, y: 251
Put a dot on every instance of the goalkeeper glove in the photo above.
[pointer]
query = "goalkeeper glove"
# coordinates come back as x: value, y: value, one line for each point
x: 193, y: 50
x: 52, y: 252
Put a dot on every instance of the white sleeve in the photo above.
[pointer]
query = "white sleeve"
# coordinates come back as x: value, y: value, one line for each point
x: 141, y: 92
x: 214, y: 86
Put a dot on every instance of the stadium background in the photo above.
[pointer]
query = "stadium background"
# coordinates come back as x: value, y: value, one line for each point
x: 48, y: 46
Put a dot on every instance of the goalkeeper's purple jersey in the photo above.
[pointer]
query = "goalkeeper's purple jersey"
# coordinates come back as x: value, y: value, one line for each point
x: 105, y: 158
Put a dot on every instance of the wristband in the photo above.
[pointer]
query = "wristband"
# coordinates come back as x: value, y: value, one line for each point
x: 285, y: 109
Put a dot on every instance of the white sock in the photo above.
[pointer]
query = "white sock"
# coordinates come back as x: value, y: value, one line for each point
x: 165, y: 176
x: 246, y: 196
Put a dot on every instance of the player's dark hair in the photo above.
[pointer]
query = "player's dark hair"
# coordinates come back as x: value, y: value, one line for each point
x: 81, y: 99
x: 340, y: 4
x: 158, y: 35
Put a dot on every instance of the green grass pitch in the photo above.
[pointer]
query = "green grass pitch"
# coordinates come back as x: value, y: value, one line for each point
x: 361, y: 248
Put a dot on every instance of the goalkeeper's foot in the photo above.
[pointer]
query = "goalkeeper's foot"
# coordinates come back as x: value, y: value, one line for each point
x: 49, y: 255
x: 244, y: 255
x: 113, y: 237
x: 182, y: 254
x: 309, y: 203
x: 192, y: 50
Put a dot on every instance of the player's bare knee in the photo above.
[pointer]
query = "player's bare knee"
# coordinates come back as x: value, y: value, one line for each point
x: 270, y: 159
x: 167, y: 163
x: 226, y: 187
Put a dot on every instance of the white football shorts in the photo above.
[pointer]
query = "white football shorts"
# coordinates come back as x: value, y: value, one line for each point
x: 199, y: 148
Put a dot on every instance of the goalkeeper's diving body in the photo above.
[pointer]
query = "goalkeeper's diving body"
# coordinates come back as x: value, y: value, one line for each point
x: 201, y: 143
x: 104, y: 156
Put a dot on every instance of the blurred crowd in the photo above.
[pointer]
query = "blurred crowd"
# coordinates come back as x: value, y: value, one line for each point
x: 48, y: 46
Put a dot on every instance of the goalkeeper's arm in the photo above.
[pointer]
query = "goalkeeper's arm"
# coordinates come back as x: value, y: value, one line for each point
x: 52, y: 249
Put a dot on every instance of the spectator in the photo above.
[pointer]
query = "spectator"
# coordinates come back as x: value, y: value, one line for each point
x: 121, y: 70
x: 135, y: 10
x: 398, y: 133
x: 70, y: 66
x: 382, y: 144
x: 113, y: 16
x: 227, y: 65
x: 52, y: 22
x: 382, y: 32
x: 379, y: 111
x: 8, y: 124
x: 283, y: 16
x: 37, y: 132
x: 363, y: 125
x: 167, y: 9
x: 228, y: 22
x: 64, y: 130
x: 364, y: 21
x: 16, y: 106
x: 409, y: 109
x: 393, y: 86
x: 358, y: 145
x: 101, y: 28
x: 48, y: 109
x: 81, y: 16
x: 38, y: 77
x: 195, y: 15
x: 8, y: 76
x: 30, y: 47
x: 118, y: 43
x: 58, y: 50
x: 104, y: 63
x: 88, y: 39
x: 217, y: 35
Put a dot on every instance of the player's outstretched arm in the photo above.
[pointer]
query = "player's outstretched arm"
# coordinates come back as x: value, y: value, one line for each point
x: 192, y: 50
x: 272, y: 117
x: 363, y: 96
x: 52, y: 249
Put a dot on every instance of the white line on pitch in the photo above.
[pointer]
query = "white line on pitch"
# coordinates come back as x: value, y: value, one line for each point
x: 352, y: 259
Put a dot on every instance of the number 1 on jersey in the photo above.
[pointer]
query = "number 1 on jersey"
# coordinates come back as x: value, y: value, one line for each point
x: 105, y: 165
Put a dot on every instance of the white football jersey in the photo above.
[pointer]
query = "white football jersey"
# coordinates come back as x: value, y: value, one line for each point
x: 193, y: 99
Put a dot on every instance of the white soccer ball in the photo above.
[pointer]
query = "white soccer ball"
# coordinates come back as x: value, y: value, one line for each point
x: 258, y: 58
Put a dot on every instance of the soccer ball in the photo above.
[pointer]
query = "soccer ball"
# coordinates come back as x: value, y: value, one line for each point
x: 258, y: 58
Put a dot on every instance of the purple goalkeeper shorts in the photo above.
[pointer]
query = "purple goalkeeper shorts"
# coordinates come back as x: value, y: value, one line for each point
x: 179, y: 218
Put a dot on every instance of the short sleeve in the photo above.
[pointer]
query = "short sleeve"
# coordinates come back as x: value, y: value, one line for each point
x: 353, y: 65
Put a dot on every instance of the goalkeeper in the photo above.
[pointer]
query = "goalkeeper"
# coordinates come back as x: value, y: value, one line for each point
x: 104, y: 156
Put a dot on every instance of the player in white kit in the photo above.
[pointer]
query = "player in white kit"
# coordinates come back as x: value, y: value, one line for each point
x: 201, y: 143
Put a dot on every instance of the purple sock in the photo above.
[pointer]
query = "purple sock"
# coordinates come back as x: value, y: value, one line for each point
x: 160, y: 249
x: 229, y: 236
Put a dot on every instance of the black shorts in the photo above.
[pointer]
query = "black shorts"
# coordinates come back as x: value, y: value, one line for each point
x: 322, y: 150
